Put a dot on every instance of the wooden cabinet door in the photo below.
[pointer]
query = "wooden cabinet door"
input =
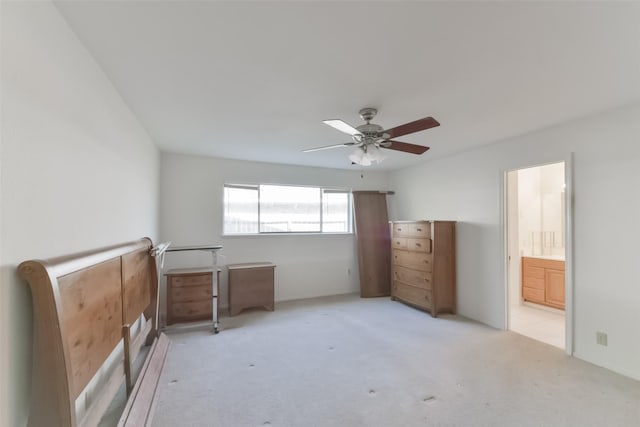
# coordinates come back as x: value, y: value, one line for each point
x: 374, y: 243
x: 554, y: 288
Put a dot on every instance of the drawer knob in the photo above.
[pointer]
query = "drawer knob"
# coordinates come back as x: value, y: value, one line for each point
x: 419, y: 229
x: 418, y: 244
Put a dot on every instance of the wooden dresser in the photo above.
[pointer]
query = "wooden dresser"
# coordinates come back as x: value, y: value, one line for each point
x: 543, y: 281
x: 189, y: 294
x: 423, y: 267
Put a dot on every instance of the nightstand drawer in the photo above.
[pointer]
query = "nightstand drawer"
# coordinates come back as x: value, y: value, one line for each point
x: 191, y: 280
x: 191, y: 293
x: 189, y: 311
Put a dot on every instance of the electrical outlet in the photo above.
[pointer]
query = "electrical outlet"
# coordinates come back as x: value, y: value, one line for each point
x: 601, y: 338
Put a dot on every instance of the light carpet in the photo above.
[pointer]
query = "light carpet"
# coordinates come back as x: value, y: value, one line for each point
x: 346, y: 361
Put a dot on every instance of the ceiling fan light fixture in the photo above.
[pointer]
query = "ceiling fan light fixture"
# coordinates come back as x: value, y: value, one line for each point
x: 376, y: 154
x: 357, y: 157
x: 366, y: 155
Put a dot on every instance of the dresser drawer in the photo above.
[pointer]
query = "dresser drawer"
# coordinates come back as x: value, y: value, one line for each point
x: 412, y: 294
x: 401, y: 230
x: 417, y: 278
x: 416, y: 260
x: 188, y: 311
x: 422, y: 230
x: 419, y: 230
x: 191, y: 293
x: 419, y: 245
x: 399, y: 243
x: 191, y: 280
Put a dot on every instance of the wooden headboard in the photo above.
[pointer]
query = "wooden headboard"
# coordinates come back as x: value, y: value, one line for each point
x: 85, y: 308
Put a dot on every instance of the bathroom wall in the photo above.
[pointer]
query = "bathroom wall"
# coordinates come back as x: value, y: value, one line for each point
x: 541, y: 210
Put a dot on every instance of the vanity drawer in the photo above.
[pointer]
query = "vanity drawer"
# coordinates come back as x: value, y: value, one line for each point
x: 533, y: 295
x: 533, y: 282
x: 416, y: 260
x: 534, y: 272
x: 412, y: 294
x: 421, y: 279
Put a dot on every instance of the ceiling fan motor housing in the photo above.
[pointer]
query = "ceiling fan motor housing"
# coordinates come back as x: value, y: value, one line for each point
x: 371, y: 133
x: 368, y: 113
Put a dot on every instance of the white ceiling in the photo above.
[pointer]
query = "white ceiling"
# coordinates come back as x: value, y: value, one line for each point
x: 254, y: 80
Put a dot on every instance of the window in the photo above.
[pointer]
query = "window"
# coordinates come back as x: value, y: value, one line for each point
x: 253, y: 209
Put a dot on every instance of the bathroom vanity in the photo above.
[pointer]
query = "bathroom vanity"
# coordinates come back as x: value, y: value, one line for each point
x: 543, y: 281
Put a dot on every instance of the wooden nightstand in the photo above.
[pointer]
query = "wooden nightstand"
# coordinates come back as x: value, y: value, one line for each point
x: 190, y: 294
x: 251, y: 285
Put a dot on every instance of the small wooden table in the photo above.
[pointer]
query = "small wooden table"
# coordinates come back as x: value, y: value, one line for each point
x: 251, y: 285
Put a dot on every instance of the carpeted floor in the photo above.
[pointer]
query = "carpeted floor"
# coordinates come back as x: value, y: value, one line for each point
x: 346, y: 361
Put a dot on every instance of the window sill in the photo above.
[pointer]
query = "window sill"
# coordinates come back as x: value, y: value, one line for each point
x: 284, y: 234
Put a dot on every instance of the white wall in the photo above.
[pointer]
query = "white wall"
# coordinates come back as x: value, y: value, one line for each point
x: 307, y: 265
x: 78, y: 170
x: 467, y: 188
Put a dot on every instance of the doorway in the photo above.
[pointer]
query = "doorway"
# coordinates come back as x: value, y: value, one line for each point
x: 537, y: 245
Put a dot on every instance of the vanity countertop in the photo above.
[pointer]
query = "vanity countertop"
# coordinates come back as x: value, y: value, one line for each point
x: 553, y: 257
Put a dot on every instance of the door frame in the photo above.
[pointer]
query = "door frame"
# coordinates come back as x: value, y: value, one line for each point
x: 569, y: 246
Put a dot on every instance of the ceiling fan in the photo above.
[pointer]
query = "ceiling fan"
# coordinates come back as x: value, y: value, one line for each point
x: 369, y: 137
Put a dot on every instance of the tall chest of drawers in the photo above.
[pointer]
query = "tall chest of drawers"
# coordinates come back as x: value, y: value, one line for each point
x: 423, y: 266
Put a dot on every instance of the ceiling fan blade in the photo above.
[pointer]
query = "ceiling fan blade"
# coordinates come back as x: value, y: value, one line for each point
x: 416, y: 126
x: 405, y: 147
x: 346, y: 144
x: 342, y: 126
